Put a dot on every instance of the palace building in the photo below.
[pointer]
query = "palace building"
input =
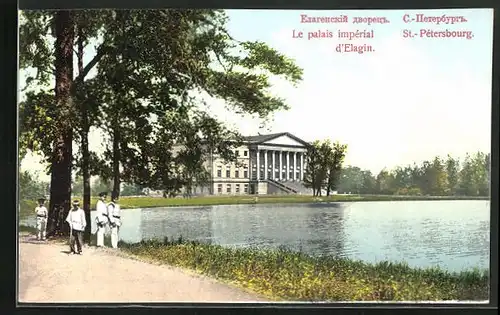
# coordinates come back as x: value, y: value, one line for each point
x: 267, y: 164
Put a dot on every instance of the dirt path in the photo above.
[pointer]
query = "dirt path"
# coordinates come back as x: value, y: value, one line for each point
x: 48, y: 274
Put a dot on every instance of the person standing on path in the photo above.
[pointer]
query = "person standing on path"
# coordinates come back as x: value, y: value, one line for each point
x: 114, y: 220
x: 102, y: 218
x: 41, y: 220
x: 77, y: 224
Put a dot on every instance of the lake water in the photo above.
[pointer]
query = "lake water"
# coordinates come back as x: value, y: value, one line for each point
x: 451, y: 234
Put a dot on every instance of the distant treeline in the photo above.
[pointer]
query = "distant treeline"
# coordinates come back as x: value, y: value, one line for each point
x: 439, y: 177
x: 447, y: 176
x: 325, y: 173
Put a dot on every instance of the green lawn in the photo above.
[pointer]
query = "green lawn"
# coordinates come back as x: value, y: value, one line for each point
x: 27, y: 206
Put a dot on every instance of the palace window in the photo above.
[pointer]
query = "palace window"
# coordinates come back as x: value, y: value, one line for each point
x: 237, y: 188
x: 219, y: 188
x: 237, y: 152
x: 228, y: 188
x: 245, y: 188
x: 219, y: 171
x: 245, y: 172
x: 237, y: 174
x: 245, y: 153
x: 228, y: 171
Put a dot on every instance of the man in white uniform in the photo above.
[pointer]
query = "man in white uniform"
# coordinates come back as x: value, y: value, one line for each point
x: 41, y: 219
x: 115, y: 220
x: 77, y: 223
x: 101, y: 218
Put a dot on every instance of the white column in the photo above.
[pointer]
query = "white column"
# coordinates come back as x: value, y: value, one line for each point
x: 265, y: 164
x: 250, y: 168
x: 281, y: 165
x: 258, y: 164
x: 287, y: 165
x: 295, y: 166
x: 301, y: 166
x: 273, y: 172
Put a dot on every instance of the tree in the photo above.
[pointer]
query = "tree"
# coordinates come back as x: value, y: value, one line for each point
x: 54, y: 118
x: 452, y: 170
x: 466, y: 177
x: 197, y: 140
x: 369, y: 183
x: 188, y: 44
x: 324, y: 166
x: 335, y: 161
x: 351, y: 180
x: 60, y: 184
x: 132, y: 190
x: 385, y: 182
x: 30, y: 187
x: 88, y: 26
x: 313, y: 166
x: 487, y: 168
x: 77, y: 186
x: 325, y: 153
x: 480, y: 174
x: 439, y: 180
x: 100, y: 185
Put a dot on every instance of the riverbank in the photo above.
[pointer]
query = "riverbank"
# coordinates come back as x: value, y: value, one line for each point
x: 27, y: 206
x: 280, y: 275
x: 286, y: 275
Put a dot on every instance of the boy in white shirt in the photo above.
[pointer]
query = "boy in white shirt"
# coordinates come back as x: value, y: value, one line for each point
x: 77, y: 223
x: 41, y: 219
x: 114, y: 220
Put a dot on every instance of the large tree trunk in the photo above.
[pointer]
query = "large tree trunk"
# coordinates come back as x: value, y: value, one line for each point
x: 60, y: 184
x: 86, y: 175
x: 84, y: 134
x: 116, y: 161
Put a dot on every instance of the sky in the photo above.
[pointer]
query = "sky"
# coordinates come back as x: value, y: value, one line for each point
x: 408, y: 100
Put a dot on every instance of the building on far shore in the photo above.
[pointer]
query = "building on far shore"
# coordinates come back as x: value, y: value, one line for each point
x: 267, y: 164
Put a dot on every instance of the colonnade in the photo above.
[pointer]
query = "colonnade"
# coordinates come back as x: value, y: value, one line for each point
x: 278, y: 165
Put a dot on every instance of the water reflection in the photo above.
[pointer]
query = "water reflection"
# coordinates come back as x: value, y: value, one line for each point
x: 326, y: 233
x: 187, y: 222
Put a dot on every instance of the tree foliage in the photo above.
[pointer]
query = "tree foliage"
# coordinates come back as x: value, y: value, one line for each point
x: 324, y: 165
x: 152, y: 70
x: 437, y: 177
x: 31, y: 188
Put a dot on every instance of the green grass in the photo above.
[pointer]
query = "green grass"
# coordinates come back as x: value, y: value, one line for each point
x: 28, y: 206
x: 286, y: 275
